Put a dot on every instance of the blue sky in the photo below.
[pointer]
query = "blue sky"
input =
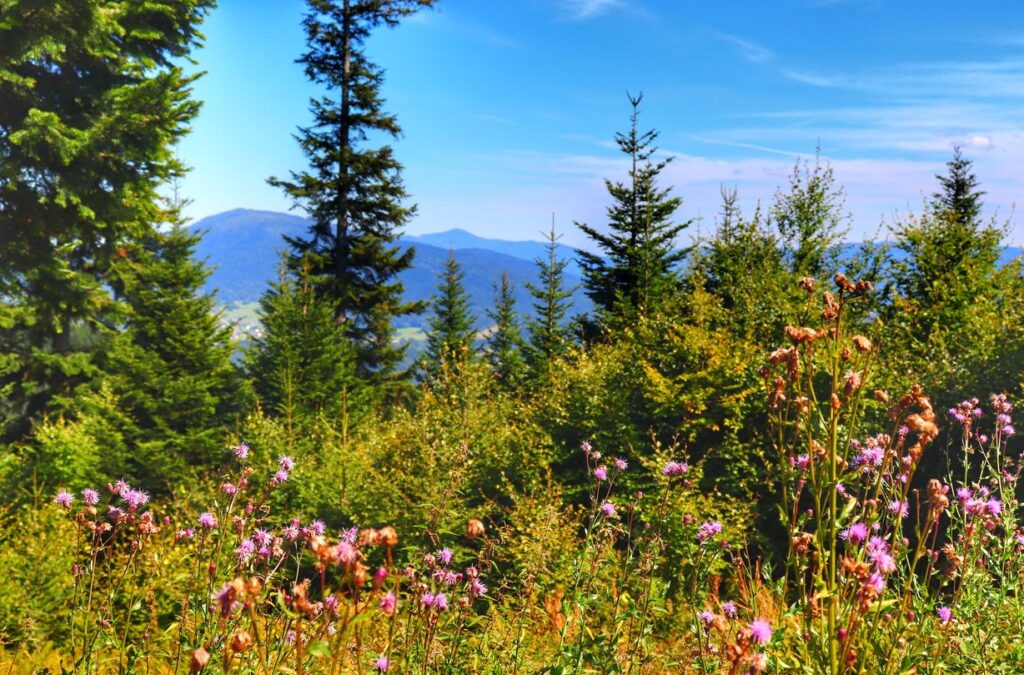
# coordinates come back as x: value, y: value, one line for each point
x: 509, y: 106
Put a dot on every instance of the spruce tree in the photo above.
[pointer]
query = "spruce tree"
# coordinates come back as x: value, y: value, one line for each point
x: 92, y: 99
x: 959, y: 195
x: 636, y: 270
x: 302, y: 364
x: 550, y: 335
x: 170, y: 368
x: 451, y: 333
x: 354, y: 194
x: 505, y: 345
x: 810, y: 220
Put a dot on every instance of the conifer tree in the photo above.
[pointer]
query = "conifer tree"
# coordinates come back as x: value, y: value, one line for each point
x: 170, y: 368
x: 959, y: 196
x: 550, y: 336
x: 505, y: 343
x: 92, y: 99
x: 354, y: 194
x: 636, y: 271
x: 303, y: 365
x: 810, y: 220
x: 451, y: 333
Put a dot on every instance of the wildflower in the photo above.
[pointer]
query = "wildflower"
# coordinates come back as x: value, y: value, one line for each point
x: 64, y: 499
x: 899, y: 508
x: 601, y: 473
x: 707, y: 617
x: 280, y: 476
x: 585, y: 447
x: 379, y: 576
x: 761, y: 631
x: 945, y: 614
x: 182, y: 535
x: 227, y: 598
x: 856, y: 533
x: 241, y: 641
x: 963, y: 494
x: 1008, y: 430
x: 476, y: 588
x: 346, y: 554
x: 994, y: 507
x: 878, y: 553
x: 350, y: 535
x: 729, y: 608
x: 207, y: 521
x: 317, y: 527
x: 382, y: 664
x: 620, y: 464
x: 877, y: 582
x: 120, y: 487
x: 675, y: 469
x: 440, y: 602
x: 427, y: 599
x: 802, y: 462
x: 445, y: 556
x: 245, y: 550
x: 262, y: 538
x: 290, y: 532
x: 135, y: 498
x: 387, y: 603
x: 286, y: 462
x: 90, y: 497
x: 708, y: 530
x: 241, y: 451
x: 230, y: 489
x: 608, y: 509
x: 115, y: 513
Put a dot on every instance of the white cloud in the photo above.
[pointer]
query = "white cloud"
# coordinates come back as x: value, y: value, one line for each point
x: 586, y: 9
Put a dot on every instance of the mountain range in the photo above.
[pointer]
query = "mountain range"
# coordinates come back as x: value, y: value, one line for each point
x: 243, y: 247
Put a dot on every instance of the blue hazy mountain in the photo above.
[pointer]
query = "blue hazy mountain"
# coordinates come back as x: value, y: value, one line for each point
x: 243, y: 246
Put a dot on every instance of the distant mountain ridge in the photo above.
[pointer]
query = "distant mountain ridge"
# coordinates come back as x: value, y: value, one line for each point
x: 243, y: 247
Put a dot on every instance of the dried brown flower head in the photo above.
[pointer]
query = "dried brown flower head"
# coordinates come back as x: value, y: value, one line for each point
x: 475, y: 528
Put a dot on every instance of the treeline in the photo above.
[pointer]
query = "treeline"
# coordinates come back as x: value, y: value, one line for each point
x: 112, y: 362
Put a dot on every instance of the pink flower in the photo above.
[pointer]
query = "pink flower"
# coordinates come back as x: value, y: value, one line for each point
x: 64, y: 499
x: 207, y: 521
x: 382, y: 664
x: 608, y: 509
x: 445, y: 556
x: 675, y: 469
x: 620, y: 464
x: 280, y: 476
x: 708, y: 530
x: 317, y: 527
x: 263, y: 538
x: 729, y: 609
x: 245, y: 551
x: 229, y: 489
x: 286, y: 462
x: 601, y: 473
x: 90, y: 497
x: 387, y: 603
x: 945, y: 614
x: 241, y: 451
x: 440, y: 602
x: 476, y: 589
x: 135, y: 498
x: 855, y: 533
x: 761, y: 631
x: 707, y: 617
x: 379, y: 576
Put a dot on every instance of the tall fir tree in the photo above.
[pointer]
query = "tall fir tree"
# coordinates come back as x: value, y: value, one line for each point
x: 170, y: 367
x: 303, y: 365
x: 959, y: 195
x: 550, y: 336
x: 505, y: 344
x: 94, y: 96
x: 451, y: 333
x: 354, y: 194
x: 810, y: 220
x: 636, y: 269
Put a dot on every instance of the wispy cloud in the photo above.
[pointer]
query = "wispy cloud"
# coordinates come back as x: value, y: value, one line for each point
x: 587, y: 9
x: 751, y: 51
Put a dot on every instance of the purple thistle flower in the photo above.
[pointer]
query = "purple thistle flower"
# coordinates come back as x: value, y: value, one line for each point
x: 445, y: 556
x: 229, y: 489
x: 707, y: 617
x: 945, y: 614
x: 675, y: 469
x: 64, y: 499
x: 280, y: 476
x: 608, y: 509
x: 90, y: 497
x: 585, y: 447
x: 803, y: 461
x: 346, y: 553
x: 286, y: 462
x: 207, y: 520
x: 120, y: 487
x: 729, y: 609
x: 290, y: 532
x: 245, y: 551
x: 427, y: 599
x: 387, y: 603
x: 899, y: 508
x: 621, y: 464
x: 994, y: 507
x: 241, y: 451
x: 350, y: 535
x: 382, y: 664
x: 855, y: 533
x: 262, y: 538
x: 761, y: 631
x: 476, y: 588
x: 135, y: 499
x: 317, y: 527
x: 440, y: 602
x: 225, y: 598
x: 708, y: 530
x: 601, y: 473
